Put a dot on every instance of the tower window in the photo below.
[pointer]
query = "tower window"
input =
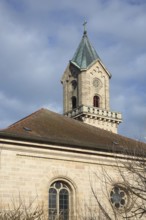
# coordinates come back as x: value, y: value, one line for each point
x: 96, y: 101
x: 59, y: 201
x: 74, y: 102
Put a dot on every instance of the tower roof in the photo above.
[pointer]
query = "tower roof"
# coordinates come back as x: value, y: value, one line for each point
x: 85, y: 53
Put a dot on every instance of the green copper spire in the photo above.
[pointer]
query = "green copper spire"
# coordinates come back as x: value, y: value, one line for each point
x: 85, y: 53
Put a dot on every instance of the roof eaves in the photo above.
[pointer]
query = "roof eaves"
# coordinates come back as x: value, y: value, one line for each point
x: 27, y: 138
x: 84, y: 69
x: 75, y: 64
x: 108, y: 148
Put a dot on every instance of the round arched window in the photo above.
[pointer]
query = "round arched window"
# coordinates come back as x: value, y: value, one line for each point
x: 96, y: 101
x: 59, y: 201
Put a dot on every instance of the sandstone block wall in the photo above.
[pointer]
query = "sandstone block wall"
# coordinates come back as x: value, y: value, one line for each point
x: 28, y: 171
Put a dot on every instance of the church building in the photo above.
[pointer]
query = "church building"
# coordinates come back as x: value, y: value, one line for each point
x: 57, y: 161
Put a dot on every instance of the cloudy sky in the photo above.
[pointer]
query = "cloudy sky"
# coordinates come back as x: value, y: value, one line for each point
x: 38, y: 38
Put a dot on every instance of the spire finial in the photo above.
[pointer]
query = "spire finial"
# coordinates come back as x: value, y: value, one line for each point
x: 84, y: 24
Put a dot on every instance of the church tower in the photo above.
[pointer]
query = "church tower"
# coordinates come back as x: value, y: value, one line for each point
x: 86, y: 89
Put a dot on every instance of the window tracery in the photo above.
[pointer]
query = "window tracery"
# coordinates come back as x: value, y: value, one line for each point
x: 119, y: 197
x: 59, y: 201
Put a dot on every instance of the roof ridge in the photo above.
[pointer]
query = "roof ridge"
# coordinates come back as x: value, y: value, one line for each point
x: 30, y: 115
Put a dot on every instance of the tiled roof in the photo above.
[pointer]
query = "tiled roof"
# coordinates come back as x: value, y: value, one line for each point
x: 85, y: 54
x: 44, y: 126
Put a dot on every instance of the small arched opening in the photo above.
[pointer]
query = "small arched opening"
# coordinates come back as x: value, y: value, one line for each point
x: 74, y: 102
x: 96, y: 101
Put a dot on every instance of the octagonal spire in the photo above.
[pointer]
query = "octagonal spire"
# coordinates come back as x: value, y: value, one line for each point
x: 85, y: 53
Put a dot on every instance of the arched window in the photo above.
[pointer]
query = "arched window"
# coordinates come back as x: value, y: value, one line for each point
x: 59, y: 201
x: 96, y: 101
x: 74, y: 102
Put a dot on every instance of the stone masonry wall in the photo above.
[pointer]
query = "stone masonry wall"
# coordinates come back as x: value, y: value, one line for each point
x: 28, y: 172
